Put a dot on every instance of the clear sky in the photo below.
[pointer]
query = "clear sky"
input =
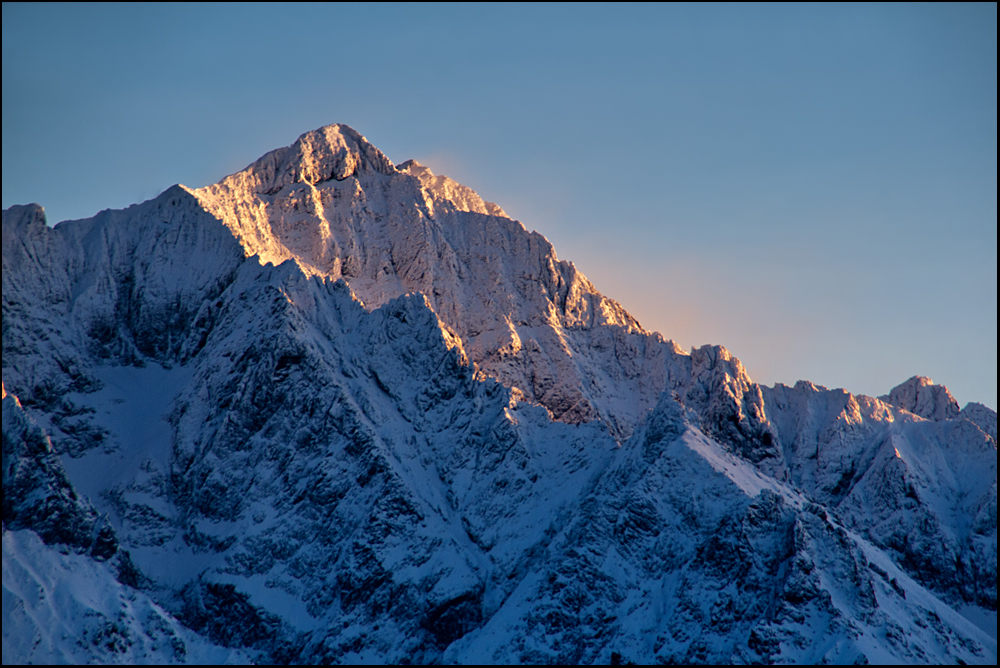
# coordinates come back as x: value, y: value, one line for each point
x: 813, y: 186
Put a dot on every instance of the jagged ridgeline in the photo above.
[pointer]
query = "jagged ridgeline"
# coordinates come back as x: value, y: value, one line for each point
x: 330, y: 409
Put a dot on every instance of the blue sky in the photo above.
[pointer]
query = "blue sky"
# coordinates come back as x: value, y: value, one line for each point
x: 813, y: 186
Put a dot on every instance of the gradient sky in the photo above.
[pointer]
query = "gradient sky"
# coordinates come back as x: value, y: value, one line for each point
x: 813, y: 187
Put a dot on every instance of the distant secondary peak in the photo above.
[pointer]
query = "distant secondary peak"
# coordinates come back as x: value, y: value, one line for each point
x: 922, y: 397
x: 23, y: 215
x: 411, y: 166
x: 442, y: 187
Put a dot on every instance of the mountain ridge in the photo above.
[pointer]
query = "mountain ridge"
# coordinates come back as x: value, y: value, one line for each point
x: 440, y: 377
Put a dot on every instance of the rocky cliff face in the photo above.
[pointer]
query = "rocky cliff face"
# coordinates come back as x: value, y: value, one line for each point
x: 330, y: 409
x: 38, y: 496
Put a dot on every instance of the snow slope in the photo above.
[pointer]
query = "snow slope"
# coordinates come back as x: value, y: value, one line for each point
x: 66, y: 608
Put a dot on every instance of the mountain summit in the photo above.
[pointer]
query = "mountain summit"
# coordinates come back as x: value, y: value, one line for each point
x: 521, y: 313
x: 332, y: 409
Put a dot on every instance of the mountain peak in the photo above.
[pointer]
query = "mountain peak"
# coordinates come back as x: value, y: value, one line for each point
x: 23, y: 215
x: 332, y: 152
x: 922, y: 397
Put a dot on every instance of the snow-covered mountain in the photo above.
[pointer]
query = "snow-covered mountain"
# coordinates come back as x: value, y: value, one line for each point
x: 333, y: 409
